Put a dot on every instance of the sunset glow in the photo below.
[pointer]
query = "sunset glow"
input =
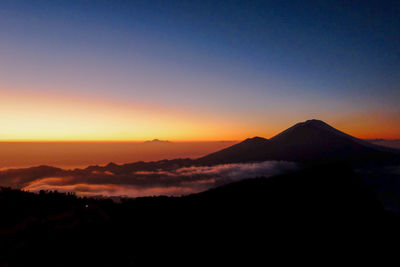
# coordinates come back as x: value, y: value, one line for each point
x: 40, y: 118
x: 69, y: 118
x: 132, y: 74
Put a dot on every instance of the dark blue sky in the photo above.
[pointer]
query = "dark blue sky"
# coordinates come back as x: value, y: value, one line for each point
x: 256, y: 65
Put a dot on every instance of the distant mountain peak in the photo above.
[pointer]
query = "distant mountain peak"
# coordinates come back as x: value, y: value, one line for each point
x: 111, y: 165
x: 157, y: 141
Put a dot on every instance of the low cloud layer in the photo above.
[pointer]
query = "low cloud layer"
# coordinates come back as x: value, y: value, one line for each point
x: 178, y: 181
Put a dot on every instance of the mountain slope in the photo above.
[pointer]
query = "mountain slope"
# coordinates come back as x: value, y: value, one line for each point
x: 309, y: 141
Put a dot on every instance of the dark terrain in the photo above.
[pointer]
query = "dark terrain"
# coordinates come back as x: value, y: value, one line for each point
x: 251, y: 221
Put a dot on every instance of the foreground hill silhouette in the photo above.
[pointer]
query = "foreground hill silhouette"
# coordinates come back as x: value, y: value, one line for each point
x: 304, y: 215
x: 312, y: 141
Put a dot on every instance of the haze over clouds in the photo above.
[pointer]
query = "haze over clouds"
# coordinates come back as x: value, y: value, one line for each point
x: 70, y: 155
x: 178, y: 181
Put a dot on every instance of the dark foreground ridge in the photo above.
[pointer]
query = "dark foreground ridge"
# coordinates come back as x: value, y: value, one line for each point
x: 305, y: 215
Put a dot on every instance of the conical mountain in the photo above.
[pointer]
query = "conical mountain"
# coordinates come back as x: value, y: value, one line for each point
x: 309, y: 141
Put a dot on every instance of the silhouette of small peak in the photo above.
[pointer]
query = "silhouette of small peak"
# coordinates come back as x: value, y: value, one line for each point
x: 157, y: 141
x: 111, y: 165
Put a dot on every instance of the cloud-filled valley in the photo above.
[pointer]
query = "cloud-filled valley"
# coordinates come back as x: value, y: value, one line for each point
x: 120, y: 180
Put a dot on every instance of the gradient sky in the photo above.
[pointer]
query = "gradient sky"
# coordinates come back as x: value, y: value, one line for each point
x: 197, y: 70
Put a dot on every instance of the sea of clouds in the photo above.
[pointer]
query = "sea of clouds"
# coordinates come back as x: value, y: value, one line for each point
x: 180, y: 181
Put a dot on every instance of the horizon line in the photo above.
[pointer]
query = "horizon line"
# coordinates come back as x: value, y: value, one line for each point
x: 150, y: 140
x: 109, y: 141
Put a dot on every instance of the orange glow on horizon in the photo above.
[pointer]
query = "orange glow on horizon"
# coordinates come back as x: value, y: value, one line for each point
x: 40, y: 118
x: 66, y: 118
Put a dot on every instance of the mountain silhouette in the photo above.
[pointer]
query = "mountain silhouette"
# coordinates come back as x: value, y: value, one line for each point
x: 157, y: 141
x: 310, y: 141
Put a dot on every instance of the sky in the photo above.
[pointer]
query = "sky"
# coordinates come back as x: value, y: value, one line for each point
x: 196, y: 70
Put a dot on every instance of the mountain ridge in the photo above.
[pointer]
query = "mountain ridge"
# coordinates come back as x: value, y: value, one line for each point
x: 308, y: 141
